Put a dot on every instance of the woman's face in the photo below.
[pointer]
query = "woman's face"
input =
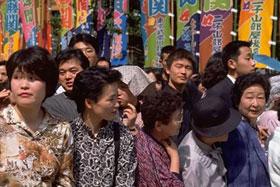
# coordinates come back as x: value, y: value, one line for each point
x: 28, y: 89
x: 252, y: 102
x: 174, y: 125
x: 107, y: 105
x: 124, y: 95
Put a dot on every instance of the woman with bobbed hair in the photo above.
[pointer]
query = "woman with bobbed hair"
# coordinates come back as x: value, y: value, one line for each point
x: 248, y: 166
x: 104, y: 153
x: 35, y: 148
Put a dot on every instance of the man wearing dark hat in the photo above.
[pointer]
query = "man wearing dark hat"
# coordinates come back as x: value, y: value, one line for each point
x: 201, y: 163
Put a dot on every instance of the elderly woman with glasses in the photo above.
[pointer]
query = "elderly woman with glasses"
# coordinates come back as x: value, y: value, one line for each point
x: 157, y: 154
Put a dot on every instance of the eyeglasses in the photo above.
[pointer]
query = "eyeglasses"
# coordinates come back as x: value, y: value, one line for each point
x: 87, y: 50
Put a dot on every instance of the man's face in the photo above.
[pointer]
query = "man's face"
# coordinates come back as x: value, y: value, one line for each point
x: 67, y: 73
x: 3, y: 74
x: 180, y: 72
x: 245, y: 63
x: 88, y: 51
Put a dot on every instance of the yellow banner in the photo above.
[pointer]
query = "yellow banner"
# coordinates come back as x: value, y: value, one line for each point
x: 81, y: 12
x: 12, y: 45
x: 255, y: 25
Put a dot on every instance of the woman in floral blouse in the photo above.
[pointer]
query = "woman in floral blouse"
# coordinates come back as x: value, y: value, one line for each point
x: 35, y: 148
x: 104, y: 151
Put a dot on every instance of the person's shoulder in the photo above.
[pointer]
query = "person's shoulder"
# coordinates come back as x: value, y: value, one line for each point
x: 124, y: 132
x: 55, y: 98
x: 56, y: 122
x: 221, y: 85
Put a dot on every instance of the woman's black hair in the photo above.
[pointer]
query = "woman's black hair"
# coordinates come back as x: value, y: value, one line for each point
x: 89, y: 84
x: 35, y: 60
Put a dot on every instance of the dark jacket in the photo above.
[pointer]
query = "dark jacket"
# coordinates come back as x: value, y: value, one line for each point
x: 245, y: 159
x: 222, y: 89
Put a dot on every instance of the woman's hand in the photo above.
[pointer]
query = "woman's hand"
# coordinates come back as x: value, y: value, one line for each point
x: 129, y: 116
x: 172, y: 151
x: 4, y: 94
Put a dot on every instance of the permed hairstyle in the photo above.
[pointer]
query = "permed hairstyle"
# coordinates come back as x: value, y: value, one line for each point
x: 245, y: 81
x: 231, y: 51
x: 70, y: 53
x: 181, y: 54
x: 85, y: 38
x: 35, y: 60
x: 89, y: 84
x: 159, y: 107
x: 214, y: 71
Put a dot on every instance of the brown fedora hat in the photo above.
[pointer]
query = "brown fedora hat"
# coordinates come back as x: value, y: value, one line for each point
x: 211, y: 117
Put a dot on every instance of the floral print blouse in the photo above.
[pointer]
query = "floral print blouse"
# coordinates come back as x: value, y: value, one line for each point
x: 41, y: 158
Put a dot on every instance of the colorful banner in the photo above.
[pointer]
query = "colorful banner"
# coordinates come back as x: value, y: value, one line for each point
x: 103, y: 36
x: 2, y: 23
x: 156, y: 29
x: 119, y: 43
x: 216, y: 24
x: 255, y: 25
x: 66, y: 12
x: 188, y: 23
x: 27, y: 16
x: 12, y: 29
x: 81, y: 11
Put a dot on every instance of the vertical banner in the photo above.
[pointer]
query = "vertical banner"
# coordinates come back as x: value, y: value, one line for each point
x: 188, y: 23
x: 103, y: 36
x: 84, y: 17
x: 255, y: 25
x: 81, y: 12
x: 27, y: 16
x: 120, y: 40
x: 216, y: 24
x: 2, y: 23
x: 66, y: 12
x: 155, y: 24
x: 40, y: 18
x: 12, y: 31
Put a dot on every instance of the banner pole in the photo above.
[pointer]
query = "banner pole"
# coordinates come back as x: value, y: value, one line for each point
x: 275, y: 28
x: 235, y: 20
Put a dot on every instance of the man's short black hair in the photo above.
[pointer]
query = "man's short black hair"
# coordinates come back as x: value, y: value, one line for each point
x: 85, y: 38
x: 70, y: 53
x: 231, y: 51
x: 180, y: 54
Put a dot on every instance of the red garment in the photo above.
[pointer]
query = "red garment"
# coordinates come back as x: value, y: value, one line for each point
x: 153, y: 164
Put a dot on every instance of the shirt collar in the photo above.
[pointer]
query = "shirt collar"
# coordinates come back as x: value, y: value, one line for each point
x: 11, y: 117
x: 231, y: 78
x: 206, y: 148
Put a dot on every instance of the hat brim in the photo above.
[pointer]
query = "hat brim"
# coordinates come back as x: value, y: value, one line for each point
x: 229, y: 125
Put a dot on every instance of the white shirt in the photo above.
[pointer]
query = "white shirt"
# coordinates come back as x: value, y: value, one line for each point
x: 200, y: 164
x: 231, y: 78
x: 274, y: 158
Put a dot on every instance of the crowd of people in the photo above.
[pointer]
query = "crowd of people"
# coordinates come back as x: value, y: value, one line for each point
x: 74, y: 120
